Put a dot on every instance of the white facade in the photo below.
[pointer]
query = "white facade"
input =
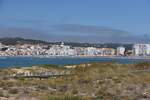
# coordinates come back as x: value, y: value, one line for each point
x: 1, y: 45
x: 108, y: 51
x: 61, y: 50
x: 90, y: 51
x: 141, y: 49
x: 121, y: 51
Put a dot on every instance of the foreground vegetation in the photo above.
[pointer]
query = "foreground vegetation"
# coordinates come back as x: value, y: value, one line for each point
x: 94, y: 81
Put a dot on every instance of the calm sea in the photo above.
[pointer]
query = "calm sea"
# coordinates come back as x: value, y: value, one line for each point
x: 29, y: 61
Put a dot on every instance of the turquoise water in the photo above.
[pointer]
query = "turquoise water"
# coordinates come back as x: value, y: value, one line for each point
x: 29, y: 61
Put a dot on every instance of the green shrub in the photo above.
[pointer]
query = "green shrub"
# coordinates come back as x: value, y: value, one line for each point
x: 74, y: 91
x: 1, y: 94
x: 66, y: 98
x: 13, y: 91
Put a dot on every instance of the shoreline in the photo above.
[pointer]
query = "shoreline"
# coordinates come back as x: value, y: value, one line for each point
x: 111, y: 57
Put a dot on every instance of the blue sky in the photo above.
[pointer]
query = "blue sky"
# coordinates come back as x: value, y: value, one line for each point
x: 76, y: 20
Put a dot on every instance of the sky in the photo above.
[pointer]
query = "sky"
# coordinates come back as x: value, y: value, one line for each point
x: 76, y: 20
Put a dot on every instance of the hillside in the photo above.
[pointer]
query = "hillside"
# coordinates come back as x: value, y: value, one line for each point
x: 17, y: 40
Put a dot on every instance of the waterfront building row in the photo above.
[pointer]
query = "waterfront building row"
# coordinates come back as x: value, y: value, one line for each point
x: 65, y: 50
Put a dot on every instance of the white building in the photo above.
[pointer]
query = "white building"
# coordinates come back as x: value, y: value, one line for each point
x: 79, y: 50
x: 90, y: 51
x: 120, y: 51
x: 141, y: 49
x: 108, y: 52
x: 1, y: 45
x: 61, y: 50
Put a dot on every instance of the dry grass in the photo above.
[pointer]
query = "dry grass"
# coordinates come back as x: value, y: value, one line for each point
x: 106, y: 81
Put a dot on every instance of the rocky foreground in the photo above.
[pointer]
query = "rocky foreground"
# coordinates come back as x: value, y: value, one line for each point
x: 94, y: 81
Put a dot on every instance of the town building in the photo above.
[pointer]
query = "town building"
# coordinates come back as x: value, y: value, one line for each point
x: 141, y: 49
x: 61, y: 50
x: 108, y: 52
x: 90, y: 51
x: 121, y: 51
